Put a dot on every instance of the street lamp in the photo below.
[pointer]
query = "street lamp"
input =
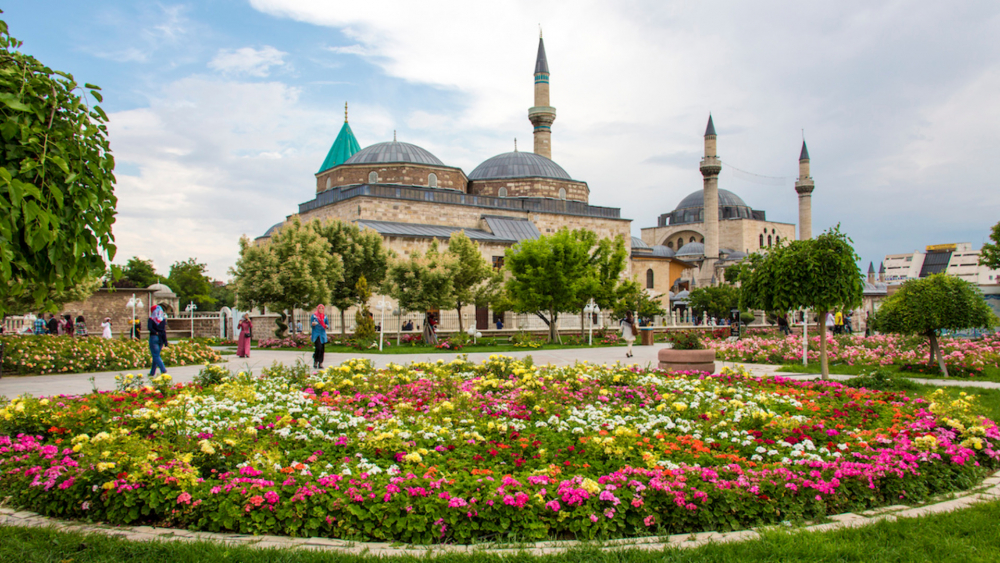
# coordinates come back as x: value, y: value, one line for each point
x: 132, y: 304
x: 191, y: 308
x: 381, y: 306
x: 475, y: 334
x: 591, y: 309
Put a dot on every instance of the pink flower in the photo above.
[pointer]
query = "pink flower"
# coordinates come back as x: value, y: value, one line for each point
x: 271, y: 497
x: 593, y: 518
x: 553, y: 505
x: 649, y: 520
x: 184, y: 498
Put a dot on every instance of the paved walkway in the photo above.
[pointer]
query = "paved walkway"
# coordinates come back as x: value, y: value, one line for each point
x: 644, y: 356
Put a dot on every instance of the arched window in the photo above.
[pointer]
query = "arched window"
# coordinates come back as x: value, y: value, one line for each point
x: 765, y: 230
x: 769, y: 240
x: 649, y: 278
x: 692, y: 239
x: 680, y: 243
x: 777, y: 241
x: 432, y: 180
x: 762, y: 241
x: 502, y: 192
x: 562, y: 193
x: 329, y: 182
x: 772, y: 231
x: 373, y: 177
x: 670, y: 244
x: 702, y: 240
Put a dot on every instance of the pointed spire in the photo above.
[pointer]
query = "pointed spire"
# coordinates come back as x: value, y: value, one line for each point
x: 871, y: 267
x: 710, y: 130
x: 345, y: 112
x: 343, y: 148
x: 804, y: 155
x: 393, y: 135
x: 541, y: 63
x: 881, y: 268
x: 515, y: 144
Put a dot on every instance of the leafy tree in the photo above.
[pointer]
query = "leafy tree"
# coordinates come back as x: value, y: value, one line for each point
x: 293, y: 270
x: 938, y: 302
x: 56, y: 182
x: 821, y: 274
x: 471, y: 275
x: 717, y: 300
x: 422, y: 282
x: 362, y: 254
x: 634, y: 297
x: 605, y: 284
x: 990, y: 254
x: 188, y: 280
x: 364, y: 324
x: 551, y: 274
x: 224, y: 295
x: 140, y: 272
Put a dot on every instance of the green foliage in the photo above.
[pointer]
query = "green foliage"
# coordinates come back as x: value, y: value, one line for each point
x: 423, y: 281
x: 747, y: 317
x: 882, y: 379
x: 294, y: 270
x: 717, y: 300
x: 224, y: 296
x: 471, y: 274
x: 56, y: 182
x: 632, y: 296
x: 139, y: 272
x: 605, y: 285
x: 212, y: 375
x: 361, y: 253
x: 990, y: 254
x: 364, y: 324
x: 188, y: 280
x: 686, y: 339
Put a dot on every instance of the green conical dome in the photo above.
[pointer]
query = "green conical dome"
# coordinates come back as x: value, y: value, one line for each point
x: 343, y: 148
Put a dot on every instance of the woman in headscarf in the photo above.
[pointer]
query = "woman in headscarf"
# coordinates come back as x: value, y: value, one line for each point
x: 157, y: 326
x: 68, y: 328
x: 106, y: 328
x: 246, y: 331
x: 318, y: 336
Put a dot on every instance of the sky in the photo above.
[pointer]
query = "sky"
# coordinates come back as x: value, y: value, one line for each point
x: 221, y: 111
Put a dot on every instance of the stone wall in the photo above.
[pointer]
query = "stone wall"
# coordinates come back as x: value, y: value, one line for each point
x: 407, y: 174
x: 737, y: 234
x: 110, y: 303
x: 665, y: 272
x: 532, y: 187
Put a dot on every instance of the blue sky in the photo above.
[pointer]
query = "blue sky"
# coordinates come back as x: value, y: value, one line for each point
x: 222, y: 110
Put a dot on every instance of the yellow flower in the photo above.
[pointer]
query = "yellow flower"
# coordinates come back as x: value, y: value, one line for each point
x: 206, y: 447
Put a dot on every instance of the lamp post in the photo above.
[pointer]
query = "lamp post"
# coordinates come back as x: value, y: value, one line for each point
x: 381, y: 306
x: 132, y: 304
x: 591, y: 309
x: 191, y: 308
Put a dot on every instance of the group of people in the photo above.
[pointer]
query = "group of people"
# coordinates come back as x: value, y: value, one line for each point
x: 839, y: 322
x: 63, y: 326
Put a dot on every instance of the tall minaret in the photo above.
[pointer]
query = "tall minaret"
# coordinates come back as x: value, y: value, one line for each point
x: 804, y: 186
x: 542, y: 114
x: 710, y: 168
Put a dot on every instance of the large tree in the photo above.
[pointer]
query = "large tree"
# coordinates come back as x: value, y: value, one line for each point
x: 990, y: 254
x: 550, y: 275
x: 56, y: 183
x: 821, y: 274
x: 938, y: 302
x: 190, y: 282
x: 362, y: 254
x: 293, y: 270
x: 422, y: 282
x: 717, y: 300
x: 471, y: 275
x: 139, y: 272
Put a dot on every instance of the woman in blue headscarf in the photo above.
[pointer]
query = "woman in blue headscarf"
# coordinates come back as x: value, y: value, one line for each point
x: 157, y: 326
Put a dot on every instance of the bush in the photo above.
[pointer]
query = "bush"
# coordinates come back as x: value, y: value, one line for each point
x: 882, y: 380
x: 747, y: 317
x: 686, y: 340
x: 956, y: 370
x: 212, y: 375
x: 27, y: 354
x: 294, y: 341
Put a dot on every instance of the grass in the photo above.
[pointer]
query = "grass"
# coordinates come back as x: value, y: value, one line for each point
x: 966, y: 536
x: 990, y: 373
x: 471, y: 348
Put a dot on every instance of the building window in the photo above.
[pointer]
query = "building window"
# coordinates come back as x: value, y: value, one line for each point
x: 649, y: 278
x: 670, y: 244
x: 498, y: 262
x: 769, y: 240
x: 373, y: 177
x: 432, y: 180
x: 702, y: 240
x: 562, y: 193
x: 762, y: 241
x: 692, y: 239
x: 680, y: 243
x: 329, y: 182
x: 502, y: 192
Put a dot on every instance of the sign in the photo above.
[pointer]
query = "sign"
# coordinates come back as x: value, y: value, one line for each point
x: 941, y: 247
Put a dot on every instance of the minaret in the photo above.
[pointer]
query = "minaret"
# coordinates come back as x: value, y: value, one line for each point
x: 881, y: 272
x: 804, y: 186
x: 871, y: 272
x: 710, y: 168
x: 542, y: 114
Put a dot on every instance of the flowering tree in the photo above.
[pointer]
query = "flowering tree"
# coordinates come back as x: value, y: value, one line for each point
x: 938, y: 302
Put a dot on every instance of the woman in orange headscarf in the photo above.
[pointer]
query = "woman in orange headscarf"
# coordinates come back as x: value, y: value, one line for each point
x: 318, y: 337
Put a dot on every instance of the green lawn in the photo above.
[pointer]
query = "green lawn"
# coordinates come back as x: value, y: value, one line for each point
x: 498, y: 348
x: 966, y: 536
x: 990, y: 373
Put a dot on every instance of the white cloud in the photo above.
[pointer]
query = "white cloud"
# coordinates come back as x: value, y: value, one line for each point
x: 247, y: 61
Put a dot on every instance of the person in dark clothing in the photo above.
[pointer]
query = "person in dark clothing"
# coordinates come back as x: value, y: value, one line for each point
x: 783, y: 325
x: 52, y: 325
x: 157, y: 326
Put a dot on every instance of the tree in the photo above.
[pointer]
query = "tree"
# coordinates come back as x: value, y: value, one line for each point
x: 471, y: 274
x: 140, y: 272
x: 188, y: 280
x: 364, y: 324
x: 549, y: 275
x: 820, y: 274
x: 422, y: 282
x: 56, y: 182
x: 634, y: 297
x: 293, y: 270
x: 989, y: 256
x: 362, y: 254
x: 605, y: 284
x: 223, y: 294
x: 938, y: 302
x: 717, y: 300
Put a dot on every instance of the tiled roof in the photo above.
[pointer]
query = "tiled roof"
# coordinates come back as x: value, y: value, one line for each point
x: 512, y: 229
x: 415, y: 230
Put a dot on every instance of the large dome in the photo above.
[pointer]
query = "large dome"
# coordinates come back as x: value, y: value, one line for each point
x: 689, y: 210
x: 518, y: 165
x: 393, y: 151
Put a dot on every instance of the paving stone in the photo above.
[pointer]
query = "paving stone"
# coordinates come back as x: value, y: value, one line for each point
x: 23, y: 514
x: 845, y: 517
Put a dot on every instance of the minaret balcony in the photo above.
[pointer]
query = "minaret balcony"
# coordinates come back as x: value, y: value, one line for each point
x: 541, y: 111
x: 710, y: 166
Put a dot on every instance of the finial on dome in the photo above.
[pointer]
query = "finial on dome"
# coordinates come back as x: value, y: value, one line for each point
x: 539, y: 31
x: 393, y: 135
x: 515, y: 144
x: 345, y: 112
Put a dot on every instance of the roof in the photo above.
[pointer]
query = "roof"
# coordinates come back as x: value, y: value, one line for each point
x: 804, y: 155
x: 344, y: 147
x: 394, y: 151
x: 512, y: 229
x: 691, y: 249
x: 710, y: 130
x: 871, y: 267
x: 541, y: 63
x: 161, y: 290
x: 877, y: 288
x: 390, y: 228
x: 638, y: 243
x: 272, y: 230
x: 518, y: 165
x: 881, y: 268
x: 660, y: 250
x: 697, y: 200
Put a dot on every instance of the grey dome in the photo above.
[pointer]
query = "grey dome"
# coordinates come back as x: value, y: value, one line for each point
x: 660, y: 250
x: 518, y: 165
x: 734, y: 254
x: 692, y: 249
x: 638, y: 243
x: 393, y: 151
x: 689, y: 210
x: 273, y: 230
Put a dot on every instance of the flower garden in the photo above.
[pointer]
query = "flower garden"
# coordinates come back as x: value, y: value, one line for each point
x: 964, y: 357
x: 66, y: 354
x: 460, y: 452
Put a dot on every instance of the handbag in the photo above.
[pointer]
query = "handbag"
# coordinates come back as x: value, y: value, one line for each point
x: 635, y: 331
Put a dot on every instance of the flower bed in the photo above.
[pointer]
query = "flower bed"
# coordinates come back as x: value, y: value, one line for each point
x: 881, y: 350
x: 66, y: 354
x: 460, y: 452
x: 299, y: 340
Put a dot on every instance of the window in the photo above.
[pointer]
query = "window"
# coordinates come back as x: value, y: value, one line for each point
x: 702, y: 240
x: 498, y: 262
x: 432, y: 180
x: 680, y: 243
x: 328, y: 182
x: 670, y: 244
x: 762, y: 241
x: 562, y: 193
x: 373, y: 177
x: 777, y: 241
x: 649, y: 278
x: 502, y: 192
x: 769, y: 240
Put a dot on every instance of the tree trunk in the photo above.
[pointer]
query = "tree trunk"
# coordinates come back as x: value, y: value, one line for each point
x: 553, y: 331
x: 932, y: 349
x: 936, y: 351
x: 343, y: 325
x: 824, y: 367
x: 461, y: 325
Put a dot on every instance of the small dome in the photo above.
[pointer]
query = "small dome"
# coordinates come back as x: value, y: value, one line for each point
x: 272, y: 230
x: 161, y: 291
x: 638, y: 243
x: 734, y: 254
x: 660, y: 250
x: 681, y: 296
x: 393, y: 151
x: 518, y: 165
x: 691, y: 249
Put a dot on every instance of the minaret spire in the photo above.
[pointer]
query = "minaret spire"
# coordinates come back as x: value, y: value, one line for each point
x: 804, y: 186
x: 542, y: 114
x: 345, y: 112
x: 710, y: 168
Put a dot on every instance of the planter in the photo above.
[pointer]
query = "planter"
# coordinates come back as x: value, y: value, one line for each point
x: 687, y: 360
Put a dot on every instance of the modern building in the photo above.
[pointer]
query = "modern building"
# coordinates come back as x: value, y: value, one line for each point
x: 956, y: 259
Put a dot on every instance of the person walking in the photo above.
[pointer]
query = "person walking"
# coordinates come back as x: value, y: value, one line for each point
x: 783, y: 325
x: 318, y: 337
x: 106, y: 328
x: 628, y: 332
x: 81, y: 326
x: 838, y: 323
x: 67, y: 326
x: 157, y: 326
x: 40, y: 327
x: 52, y: 325
x: 829, y: 322
x: 246, y: 332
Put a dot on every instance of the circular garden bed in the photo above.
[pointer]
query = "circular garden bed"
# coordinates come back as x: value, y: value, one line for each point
x: 459, y: 452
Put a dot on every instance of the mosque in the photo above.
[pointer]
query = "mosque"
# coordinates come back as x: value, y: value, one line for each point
x: 412, y: 198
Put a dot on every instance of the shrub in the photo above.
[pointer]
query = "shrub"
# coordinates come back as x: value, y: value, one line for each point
x: 686, y: 340
x: 211, y: 375
x: 28, y: 354
x: 294, y: 341
x: 882, y: 380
